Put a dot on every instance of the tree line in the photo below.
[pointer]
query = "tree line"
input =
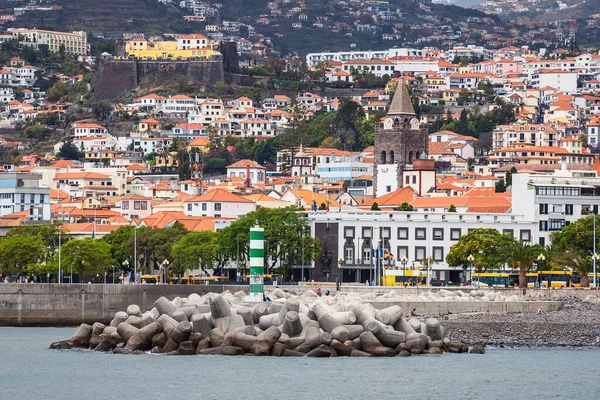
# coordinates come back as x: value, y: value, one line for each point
x: 571, y: 249
x: 34, y: 250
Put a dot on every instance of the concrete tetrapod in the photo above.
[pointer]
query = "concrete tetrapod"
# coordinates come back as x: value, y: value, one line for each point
x: 288, y: 326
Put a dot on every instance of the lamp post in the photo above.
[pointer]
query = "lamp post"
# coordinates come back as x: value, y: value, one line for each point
x: 595, y: 257
x: 165, y: 264
x: 403, y: 261
x: 113, y: 268
x: 541, y: 260
x: 340, y: 264
x: 126, y: 265
x: 470, y: 259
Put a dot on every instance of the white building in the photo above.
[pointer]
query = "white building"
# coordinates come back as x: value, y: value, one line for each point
x: 73, y: 42
x: 23, y: 192
x: 562, y: 81
x: 244, y: 168
x: 218, y: 203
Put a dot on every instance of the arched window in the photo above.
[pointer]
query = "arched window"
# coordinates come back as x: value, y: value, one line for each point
x: 383, y: 157
x: 391, y: 156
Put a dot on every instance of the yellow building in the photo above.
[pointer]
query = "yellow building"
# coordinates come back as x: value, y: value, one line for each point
x: 186, y: 46
x: 201, y: 144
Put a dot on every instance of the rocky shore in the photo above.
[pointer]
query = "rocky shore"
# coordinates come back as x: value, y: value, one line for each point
x: 576, y: 324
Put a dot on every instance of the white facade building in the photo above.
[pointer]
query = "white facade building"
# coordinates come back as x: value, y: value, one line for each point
x: 23, y: 192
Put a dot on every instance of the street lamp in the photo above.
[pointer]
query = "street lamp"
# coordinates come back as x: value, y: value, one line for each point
x: 403, y: 261
x: 340, y: 264
x: 470, y: 259
x: 164, y: 265
x: 126, y: 265
x: 595, y: 257
x: 541, y: 259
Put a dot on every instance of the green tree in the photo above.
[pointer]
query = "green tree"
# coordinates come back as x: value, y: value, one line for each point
x: 375, y: 207
x: 520, y: 255
x: 118, y: 243
x: 18, y: 252
x: 500, y: 186
x: 405, y: 207
x: 286, y: 236
x: 580, y: 262
x: 452, y: 208
x: 87, y: 257
x: 577, y: 236
x: 508, y: 176
x: 195, y: 250
x: 153, y: 246
x: 484, y: 244
x: 68, y: 151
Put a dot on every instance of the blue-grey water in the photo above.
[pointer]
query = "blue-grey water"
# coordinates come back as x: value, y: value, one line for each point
x: 28, y: 370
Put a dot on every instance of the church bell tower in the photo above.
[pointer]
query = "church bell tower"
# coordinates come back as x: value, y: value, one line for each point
x: 399, y: 140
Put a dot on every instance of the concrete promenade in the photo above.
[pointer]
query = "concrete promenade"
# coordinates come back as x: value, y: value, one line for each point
x: 72, y: 304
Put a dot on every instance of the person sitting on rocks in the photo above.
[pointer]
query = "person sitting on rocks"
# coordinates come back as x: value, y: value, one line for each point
x: 541, y: 311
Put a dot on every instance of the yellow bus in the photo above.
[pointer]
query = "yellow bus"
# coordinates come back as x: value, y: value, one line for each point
x: 405, y: 277
x: 196, y: 280
x: 554, y: 279
x: 502, y: 279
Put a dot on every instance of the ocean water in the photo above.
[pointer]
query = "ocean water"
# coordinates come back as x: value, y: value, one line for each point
x: 28, y: 370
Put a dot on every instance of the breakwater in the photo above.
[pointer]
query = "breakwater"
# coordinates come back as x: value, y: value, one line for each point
x: 288, y: 325
x: 69, y: 305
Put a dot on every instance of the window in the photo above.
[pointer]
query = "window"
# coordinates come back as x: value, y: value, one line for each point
x: 204, y: 206
x: 569, y: 209
x: 366, y: 233
x: 125, y: 205
x: 542, y: 241
x: 543, y: 226
x: 420, y: 253
x: 402, y: 233
x: 525, y: 235
x: 366, y: 256
x: 385, y: 233
x: 543, y: 209
x: 407, y: 180
x: 189, y: 206
x: 455, y: 233
x: 438, y: 233
x: 349, y: 255
x: 217, y: 206
x: 508, y: 232
x: 144, y: 205
x: 402, y: 251
x: 420, y: 234
x: 414, y: 179
x: 556, y: 224
x: 349, y: 232
x: 388, y: 188
x: 136, y: 205
x: 438, y: 254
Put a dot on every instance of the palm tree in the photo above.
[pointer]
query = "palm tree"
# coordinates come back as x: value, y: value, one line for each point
x: 521, y: 255
x: 582, y: 263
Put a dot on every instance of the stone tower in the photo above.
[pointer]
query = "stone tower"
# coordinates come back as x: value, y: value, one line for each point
x: 399, y: 140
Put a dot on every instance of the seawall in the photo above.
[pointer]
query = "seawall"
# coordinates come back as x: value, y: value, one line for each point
x: 66, y: 304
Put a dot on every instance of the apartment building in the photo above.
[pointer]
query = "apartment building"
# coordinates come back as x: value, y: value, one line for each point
x: 23, y: 192
x: 73, y: 42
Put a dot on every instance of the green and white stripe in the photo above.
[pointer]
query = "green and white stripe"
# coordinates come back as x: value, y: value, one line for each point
x: 257, y: 261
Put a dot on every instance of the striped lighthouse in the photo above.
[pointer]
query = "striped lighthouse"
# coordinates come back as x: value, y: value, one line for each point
x: 257, y: 261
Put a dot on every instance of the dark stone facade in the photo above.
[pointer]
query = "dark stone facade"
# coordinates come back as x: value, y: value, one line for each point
x: 399, y: 145
x: 116, y: 76
x: 327, y: 262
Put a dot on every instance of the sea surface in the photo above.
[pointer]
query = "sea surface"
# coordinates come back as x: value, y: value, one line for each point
x: 28, y: 370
